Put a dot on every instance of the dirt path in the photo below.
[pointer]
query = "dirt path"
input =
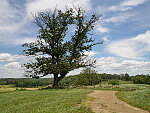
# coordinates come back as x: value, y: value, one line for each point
x: 107, y: 102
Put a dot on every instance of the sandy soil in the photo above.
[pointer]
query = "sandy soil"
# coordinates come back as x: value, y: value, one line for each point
x: 107, y: 102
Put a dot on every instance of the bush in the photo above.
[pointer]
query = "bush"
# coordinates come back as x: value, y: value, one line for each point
x: 141, y: 79
x: 88, y: 77
x: 113, y: 82
x: 138, y: 80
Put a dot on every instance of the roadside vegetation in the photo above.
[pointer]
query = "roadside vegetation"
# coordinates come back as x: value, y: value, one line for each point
x: 139, y: 98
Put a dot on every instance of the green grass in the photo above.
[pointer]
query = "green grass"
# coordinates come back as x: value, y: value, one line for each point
x: 120, y: 82
x: 137, y: 95
x: 67, y: 100
x: 44, y: 101
x: 122, y: 87
x: 138, y: 98
x: 125, y: 82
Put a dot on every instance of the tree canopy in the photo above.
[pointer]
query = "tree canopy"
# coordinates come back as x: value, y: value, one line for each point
x: 53, y: 53
x: 88, y: 77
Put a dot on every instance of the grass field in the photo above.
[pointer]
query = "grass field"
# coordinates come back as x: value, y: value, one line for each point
x: 139, y: 98
x: 8, y: 88
x: 32, y: 100
x: 137, y: 95
x: 44, y: 101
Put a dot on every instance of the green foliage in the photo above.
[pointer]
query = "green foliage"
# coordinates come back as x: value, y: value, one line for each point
x: 122, y: 87
x: 44, y: 101
x: 88, y: 77
x: 141, y: 79
x: 7, y: 81
x: 26, y: 82
x: 68, y: 81
x: 106, y: 77
x: 125, y: 82
x: 127, y: 78
x: 113, y: 82
x: 75, y: 80
x: 53, y: 54
x: 138, y: 98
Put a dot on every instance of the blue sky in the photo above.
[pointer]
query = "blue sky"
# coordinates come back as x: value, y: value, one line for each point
x: 125, y: 31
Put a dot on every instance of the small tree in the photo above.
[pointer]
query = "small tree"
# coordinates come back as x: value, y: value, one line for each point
x: 54, y: 55
x: 113, y: 82
x: 126, y: 77
x: 88, y: 77
x: 138, y: 80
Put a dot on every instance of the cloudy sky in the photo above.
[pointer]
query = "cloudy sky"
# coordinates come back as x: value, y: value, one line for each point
x: 125, y: 31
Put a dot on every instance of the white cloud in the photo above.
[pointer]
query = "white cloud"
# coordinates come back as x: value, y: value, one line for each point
x: 126, y: 5
x: 117, y: 8
x: 13, y: 41
x: 112, y: 65
x: 10, y: 18
x: 106, y: 39
x: 90, y: 53
x: 6, y: 57
x: 134, y: 48
x: 41, y: 5
x: 12, y: 65
x: 75, y: 72
x: 14, y: 23
x: 132, y: 3
x: 24, y: 40
x: 103, y: 29
x: 8, y: 13
x: 119, y: 18
x: 11, y: 70
x: 115, y: 65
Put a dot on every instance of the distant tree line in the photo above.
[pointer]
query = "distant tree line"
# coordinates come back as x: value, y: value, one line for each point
x: 141, y: 79
x: 26, y: 82
x: 105, y: 76
x: 87, y: 77
x: 91, y: 77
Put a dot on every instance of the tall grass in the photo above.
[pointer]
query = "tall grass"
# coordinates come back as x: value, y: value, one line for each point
x: 138, y: 98
x: 44, y: 101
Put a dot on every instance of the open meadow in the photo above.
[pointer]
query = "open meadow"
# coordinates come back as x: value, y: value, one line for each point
x: 139, y: 98
x: 74, y: 56
x: 69, y: 100
x: 44, y: 101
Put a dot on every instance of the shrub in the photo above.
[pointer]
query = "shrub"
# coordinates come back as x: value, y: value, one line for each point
x: 88, y: 77
x: 141, y: 79
x: 113, y: 82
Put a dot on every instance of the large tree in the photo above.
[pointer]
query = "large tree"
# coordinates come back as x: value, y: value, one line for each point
x: 58, y: 50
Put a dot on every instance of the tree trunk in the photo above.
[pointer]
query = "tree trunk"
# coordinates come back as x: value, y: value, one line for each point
x: 57, y: 79
x: 55, y: 83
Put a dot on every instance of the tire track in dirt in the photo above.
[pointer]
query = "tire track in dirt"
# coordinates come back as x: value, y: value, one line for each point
x: 107, y: 102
